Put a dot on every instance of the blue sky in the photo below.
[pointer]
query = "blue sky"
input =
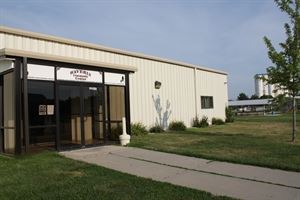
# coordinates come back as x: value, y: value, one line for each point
x: 222, y: 34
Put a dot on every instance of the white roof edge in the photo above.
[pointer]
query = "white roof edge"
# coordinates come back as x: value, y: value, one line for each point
x: 14, y: 52
x: 249, y: 102
x: 15, y: 31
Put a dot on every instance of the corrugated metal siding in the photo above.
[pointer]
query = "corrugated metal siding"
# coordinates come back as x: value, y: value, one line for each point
x: 177, y: 89
x: 177, y: 81
x: 212, y: 84
x: 2, y: 43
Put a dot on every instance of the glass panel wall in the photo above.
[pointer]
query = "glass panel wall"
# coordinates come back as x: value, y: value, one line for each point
x: 81, y: 108
x: 93, y: 115
x: 69, y: 115
x: 9, y: 112
x: 41, y: 104
x: 116, y: 111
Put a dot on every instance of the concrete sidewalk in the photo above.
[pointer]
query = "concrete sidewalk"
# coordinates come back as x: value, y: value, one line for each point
x: 219, y: 178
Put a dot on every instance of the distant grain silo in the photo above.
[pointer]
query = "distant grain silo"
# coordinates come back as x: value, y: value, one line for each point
x: 263, y: 88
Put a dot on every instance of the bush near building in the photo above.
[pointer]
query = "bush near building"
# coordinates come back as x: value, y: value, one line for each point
x: 156, y: 129
x: 217, y: 121
x: 229, y: 115
x: 177, y: 126
x: 200, y: 123
x: 138, y: 129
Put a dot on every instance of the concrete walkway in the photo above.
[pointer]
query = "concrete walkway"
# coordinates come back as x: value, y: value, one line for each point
x: 218, y: 178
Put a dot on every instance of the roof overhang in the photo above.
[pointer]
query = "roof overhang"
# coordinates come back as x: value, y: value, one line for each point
x: 41, y: 56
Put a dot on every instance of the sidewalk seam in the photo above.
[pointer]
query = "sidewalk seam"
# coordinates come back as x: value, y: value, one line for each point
x: 207, y: 172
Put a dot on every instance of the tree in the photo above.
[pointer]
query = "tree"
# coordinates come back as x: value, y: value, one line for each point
x: 254, y: 96
x: 285, y: 71
x: 282, y: 103
x: 242, y: 96
x: 266, y: 96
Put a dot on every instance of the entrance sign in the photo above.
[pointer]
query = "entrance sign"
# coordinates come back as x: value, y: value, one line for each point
x: 114, y: 78
x: 40, y: 72
x: 80, y: 75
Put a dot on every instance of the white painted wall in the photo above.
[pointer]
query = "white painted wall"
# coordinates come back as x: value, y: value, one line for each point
x: 212, y: 84
x: 177, y: 88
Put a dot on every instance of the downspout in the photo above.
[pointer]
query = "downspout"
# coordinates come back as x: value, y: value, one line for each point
x: 195, y: 91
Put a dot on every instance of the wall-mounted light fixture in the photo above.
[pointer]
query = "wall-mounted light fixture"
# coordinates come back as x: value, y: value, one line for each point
x: 157, y: 84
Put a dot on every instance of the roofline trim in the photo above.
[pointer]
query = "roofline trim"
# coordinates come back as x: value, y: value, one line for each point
x: 20, y: 32
x: 21, y: 53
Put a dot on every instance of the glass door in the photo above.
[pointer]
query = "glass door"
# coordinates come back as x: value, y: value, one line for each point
x: 80, y: 115
x: 93, y: 115
x: 70, y: 116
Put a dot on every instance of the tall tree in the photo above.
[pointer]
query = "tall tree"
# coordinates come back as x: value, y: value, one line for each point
x: 285, y: 72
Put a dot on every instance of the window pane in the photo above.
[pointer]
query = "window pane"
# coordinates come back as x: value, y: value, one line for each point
x: 69, y: 116
x: 207, y: 102
x: 9, y: 112
x: 93, y: 125
x: 117, y: 103
x: 40, y: 72
x: 41, y: 103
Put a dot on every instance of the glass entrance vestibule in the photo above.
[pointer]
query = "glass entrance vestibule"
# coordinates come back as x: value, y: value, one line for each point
x: 60, y: 106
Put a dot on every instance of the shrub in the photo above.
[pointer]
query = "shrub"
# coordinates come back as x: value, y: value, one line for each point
x: 204, y: 122
x: 156, y: 129
x: 217, y: 121
x: 138, y: 129
x: 177, y: 126
x: 196, y: 122
x: 200, y: 123
x: 229, y: 115
x: 115, y: 132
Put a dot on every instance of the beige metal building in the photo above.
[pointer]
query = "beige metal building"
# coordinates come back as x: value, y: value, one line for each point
x: 140, y: 87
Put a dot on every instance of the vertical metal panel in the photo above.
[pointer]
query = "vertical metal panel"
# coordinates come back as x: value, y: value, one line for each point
x: 176, y: 84
x: 57, y: 137
x: 25, y: 106
x: 2, y: 40
x: 212, y: 84
x: 27, y: 44
x: 18, y: 110
x: 82, y: 116
x: 104, y: 111
x: 9, y: 112
x: 127, y: 104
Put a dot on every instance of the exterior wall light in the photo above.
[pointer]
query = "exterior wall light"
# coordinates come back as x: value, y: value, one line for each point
x: 157, y: 84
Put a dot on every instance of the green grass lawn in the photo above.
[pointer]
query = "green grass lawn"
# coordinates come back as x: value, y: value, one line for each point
x: 50, y: 176
x: 254, y: 140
